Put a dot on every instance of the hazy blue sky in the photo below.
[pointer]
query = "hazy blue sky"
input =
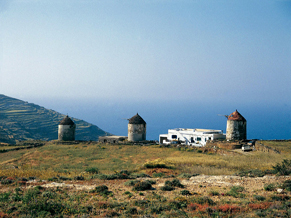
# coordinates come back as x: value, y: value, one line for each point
x: 192, y: 50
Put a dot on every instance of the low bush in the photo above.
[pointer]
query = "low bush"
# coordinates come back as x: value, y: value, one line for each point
x: 4, y: 197
x: 287, y: 185
x: 174, y: 183
x: 131, y: 210
x: 124, y: 174
x: 269, y: 187
x: 6, y: 181
x: 280, y: 197
x: 101, y: 190
x: 235, y: 191
x: 156, y: 165
x: 176, y: 205
x: 142, y: 186
x: 92, y: 170
x: 185, y: 192
x: 259, y: 198
x: 138, y: 175
x: 160, y: 175
x: 214, y: 193
x: 152, y: 182
x: 64, y: 178
x: 167, y: 188
x: 142, y: 203
x: 79, y: 178
x: 283, y: 168
x: 131, y: 182
x: 129, y: 194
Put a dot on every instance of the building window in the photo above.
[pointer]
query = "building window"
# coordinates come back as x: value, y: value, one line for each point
x: 174, y: 136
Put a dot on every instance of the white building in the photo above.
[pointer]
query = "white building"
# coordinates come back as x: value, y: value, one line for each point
x: 194, y: 137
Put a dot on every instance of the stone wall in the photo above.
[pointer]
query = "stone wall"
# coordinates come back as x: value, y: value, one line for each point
x: 264, y: 148
x: 136, y: 132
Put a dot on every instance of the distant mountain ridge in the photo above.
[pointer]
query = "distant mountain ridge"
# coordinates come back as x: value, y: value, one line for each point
x: 20, y: 120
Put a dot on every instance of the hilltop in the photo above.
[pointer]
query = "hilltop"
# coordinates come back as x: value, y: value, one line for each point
x: 20, y: 120
x: 92, y: 179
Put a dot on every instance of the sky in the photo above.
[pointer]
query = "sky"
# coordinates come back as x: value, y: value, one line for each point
x: 194, y: 51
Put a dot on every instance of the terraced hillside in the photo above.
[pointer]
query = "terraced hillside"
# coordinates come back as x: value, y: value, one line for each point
x: 21, y: 120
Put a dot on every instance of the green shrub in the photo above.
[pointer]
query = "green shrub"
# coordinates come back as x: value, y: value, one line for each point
x: 167, y: 188
x: 152, y: 182
x: 4, y: 197
x: 214, y: 193
x: 160, y: 175
x: 174, y: 183
x: 101, y: 190
x: 48, y: 194
x: 131, y: 210
x: 176, y: 205
x: 124, y: 174
x: 280, y: 197
x: 269, y: 187
x: 53, y: 179
x: 142, y: 203
x: 235, y: 192
x: 79, y: 178
x: 138, y: 175
x: 287, y: 185
x: 64, y: 178
x: 142, y: 186
x: 157, y: 209
x: 6, y: 181
x: 131, y: 182
x: 259, y: 198
x: 129, y: 194
x: 185, y: 192
x: 203, y: 200
x: 152, y: 165
x: 92, y: 170
x: 284, y: 168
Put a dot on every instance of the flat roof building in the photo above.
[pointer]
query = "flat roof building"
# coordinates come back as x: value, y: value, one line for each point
x: 192, y: 137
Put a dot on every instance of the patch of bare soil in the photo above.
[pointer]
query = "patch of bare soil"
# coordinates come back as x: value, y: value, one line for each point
x: 199, y: 185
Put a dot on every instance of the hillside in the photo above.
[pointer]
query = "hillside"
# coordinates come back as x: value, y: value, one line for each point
x: 20, y: 120
x: 92, y: 179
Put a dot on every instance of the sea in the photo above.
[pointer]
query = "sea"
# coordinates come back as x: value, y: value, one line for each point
x: 264, y: 120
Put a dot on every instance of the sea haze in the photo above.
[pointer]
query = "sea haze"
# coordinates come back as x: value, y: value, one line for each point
x: 263, y: 121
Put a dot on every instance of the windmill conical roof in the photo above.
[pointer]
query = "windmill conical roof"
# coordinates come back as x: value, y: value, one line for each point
x: 236, y: 116
x: 67, y: 121
x: 136, y: 119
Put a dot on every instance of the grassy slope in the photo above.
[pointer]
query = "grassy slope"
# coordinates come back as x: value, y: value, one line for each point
x: 20, y: 120
x: 74, y: 159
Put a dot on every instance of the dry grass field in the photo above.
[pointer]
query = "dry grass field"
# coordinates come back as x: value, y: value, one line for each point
x: 76, y: 158
x: 89, y: 179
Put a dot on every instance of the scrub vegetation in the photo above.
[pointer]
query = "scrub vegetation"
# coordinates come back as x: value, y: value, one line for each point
x: 103, y: 180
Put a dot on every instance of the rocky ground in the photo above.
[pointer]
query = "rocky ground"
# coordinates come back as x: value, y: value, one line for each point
x: 199, y: 185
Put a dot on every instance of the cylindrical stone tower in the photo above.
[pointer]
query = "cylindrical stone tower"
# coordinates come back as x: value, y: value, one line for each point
x: 66, y: 130
x: 236, y: 127
x: 136, y: 129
